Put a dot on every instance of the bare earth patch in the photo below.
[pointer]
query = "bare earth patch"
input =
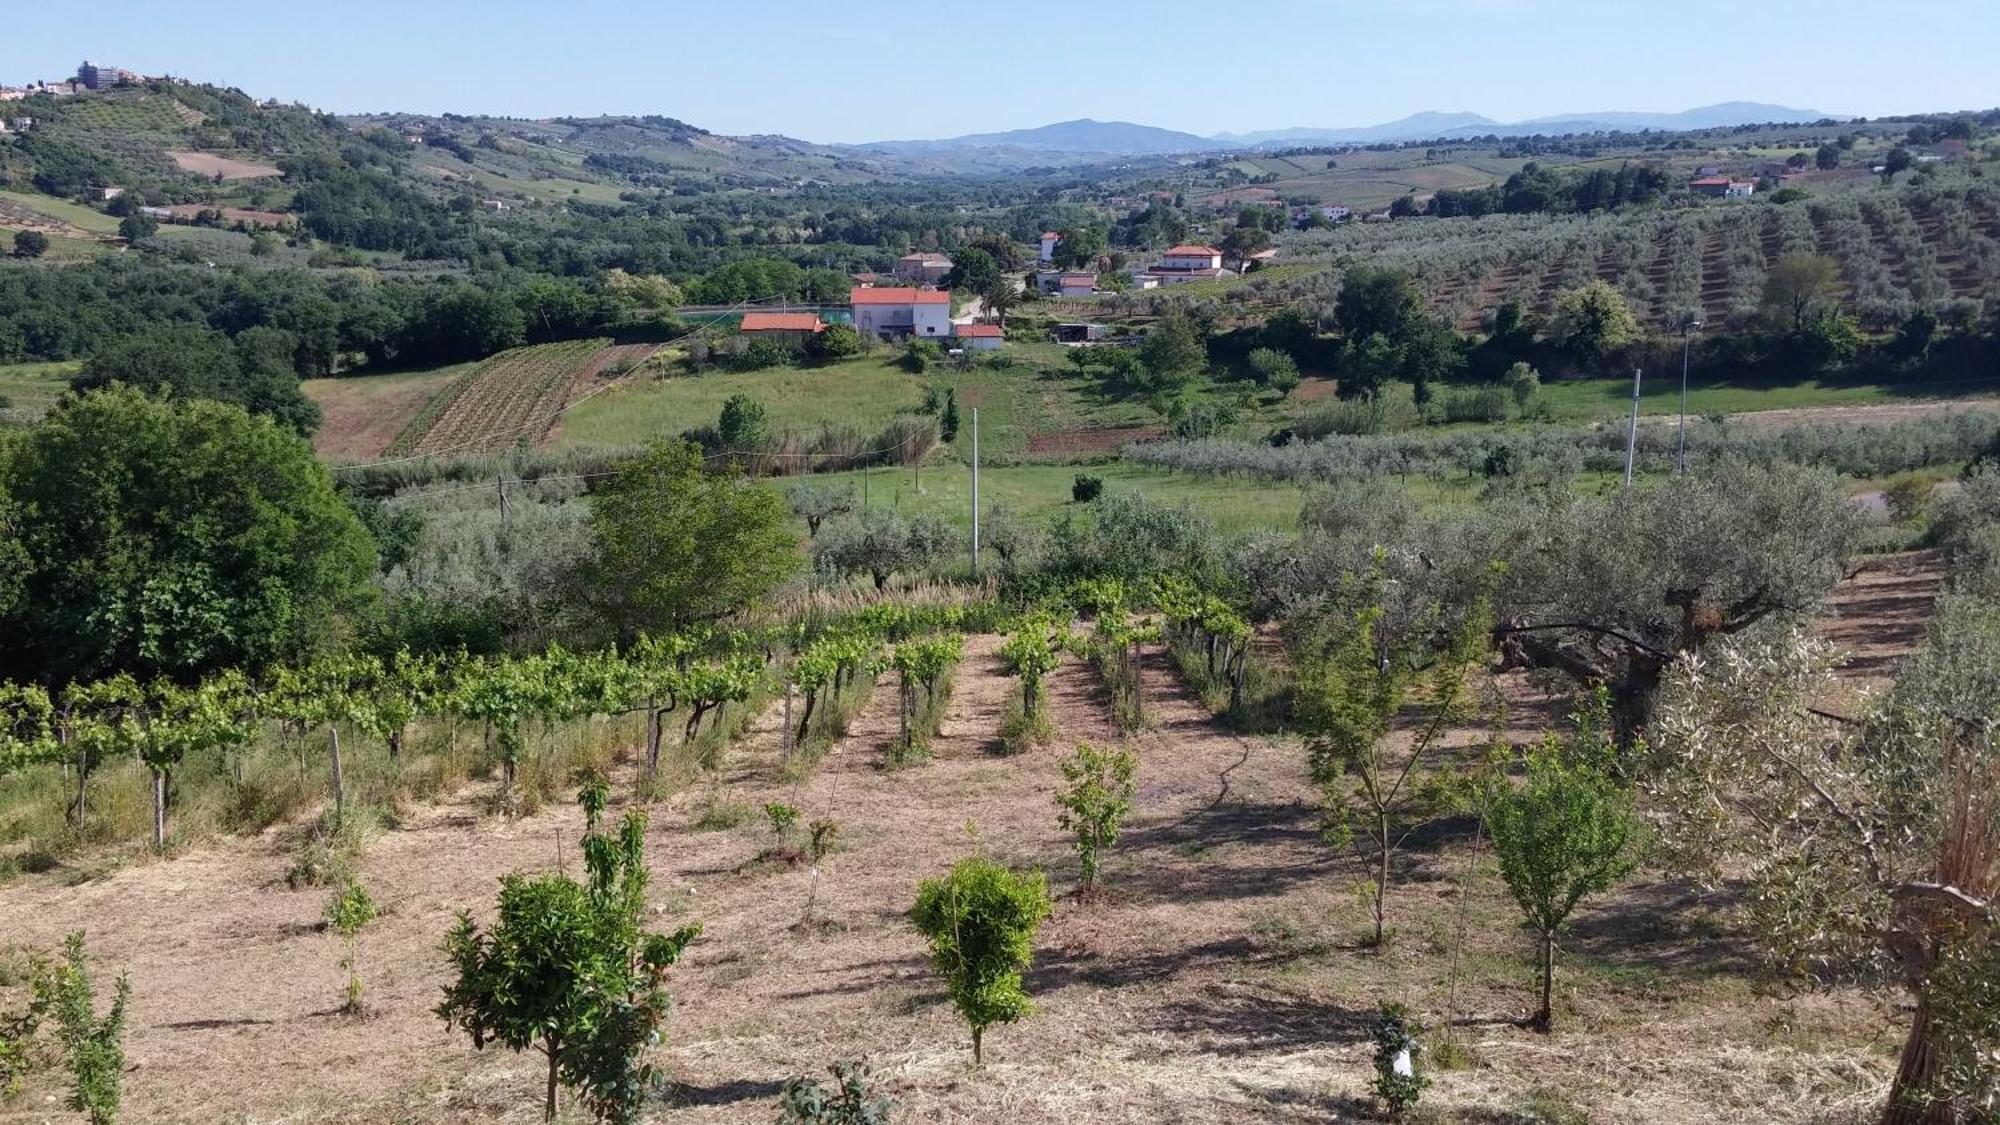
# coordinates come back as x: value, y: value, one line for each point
x: 1881, y: 415
x: 1091, y: 441
x: 229, y: 168
x: 362, y: 414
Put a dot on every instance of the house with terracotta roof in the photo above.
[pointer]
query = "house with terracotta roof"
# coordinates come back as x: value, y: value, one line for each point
x: 1065, y: 283
x: 891, y: 312
x: 1188, y: 262
x: 1722, y: 187
x: 979, y: 337
x: 1048, y: 251
x: 794, y: 327
x: 925, y: 268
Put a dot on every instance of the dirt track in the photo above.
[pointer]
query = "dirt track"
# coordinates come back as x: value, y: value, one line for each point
x: 1218, y: 979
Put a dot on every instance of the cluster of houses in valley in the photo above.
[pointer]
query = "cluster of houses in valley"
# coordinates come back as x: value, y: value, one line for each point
x: 910, y: 303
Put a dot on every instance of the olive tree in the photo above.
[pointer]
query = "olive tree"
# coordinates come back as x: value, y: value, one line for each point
x: 981, y: 921
x: 881, y: 543
x: 1613, y: 590
x: 1871, y: 845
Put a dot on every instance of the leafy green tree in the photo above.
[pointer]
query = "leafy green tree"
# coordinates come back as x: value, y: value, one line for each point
x: 973, y: 270
x: 981, y: 921
x: 1275, y: 369
x: 948, y: 417
x: 1522, y: 383
x: 1354, y: 678
x: 347, y: 912
x: 171, y: 538
x: 190, y: 361
x: 816, y: 503
x: 677, y: 544
x: 1173, y: 352
x: 1798, y: 289
x: 1896, y: 162
x: 567, y: 969
x: 1095, y: 798
x: 881, y: 543
x: 839, y: 341
x: 135, y: 226
x: 30, y: 244
x: 93, y: 1046
x: 1377, y: 301
x: 1828, y: 157
x: 1080, y: 247
x: 744, y: 425
x: 1592, y: 321
x: 1567, y: 832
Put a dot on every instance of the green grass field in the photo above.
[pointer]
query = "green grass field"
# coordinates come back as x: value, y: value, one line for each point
x: 75, y: 214
x: 1590, y: 399
x: 33, y: 387
x: 1042, y: 492
x: 1033, y: 396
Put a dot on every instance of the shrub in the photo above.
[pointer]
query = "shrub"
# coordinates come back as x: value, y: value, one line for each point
x: 850, y: 1101
x: 93, y: 1048
x: 981, y: 921
x: 1096, y: 796
x: 1086, y: 488
x: 1274, y: 369
x: 1908, y: 496
x: 1399, y: 1077
x: 782, y: 817
x: 347, y: 912
x: 838, y: 342
x: 567, y: 968
x: 1523, y: 383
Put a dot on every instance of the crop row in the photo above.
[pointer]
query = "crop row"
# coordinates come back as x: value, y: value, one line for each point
x: 506, y: 402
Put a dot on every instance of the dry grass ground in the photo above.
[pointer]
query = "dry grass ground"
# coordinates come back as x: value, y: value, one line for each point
x: 1220, y: 977
x: 212, y: 164
x: 362, y: 414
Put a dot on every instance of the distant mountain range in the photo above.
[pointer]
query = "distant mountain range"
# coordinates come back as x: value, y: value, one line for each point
x: 1071, y: 139
x: 1116, y: 138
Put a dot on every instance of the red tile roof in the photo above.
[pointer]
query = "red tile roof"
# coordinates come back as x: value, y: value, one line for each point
x: 926, y: 257
x: 893, y: 295
x: 1191, y: 252
x: 782, y: 322
x: 1711, y: 181
x: 989, y: 330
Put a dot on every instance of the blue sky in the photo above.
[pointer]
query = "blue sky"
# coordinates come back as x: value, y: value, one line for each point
x: 891, y: 69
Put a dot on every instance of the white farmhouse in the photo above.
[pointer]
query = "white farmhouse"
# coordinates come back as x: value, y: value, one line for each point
x: 891, y: 312
x: 1183, y: 263
x: 1048, y: 251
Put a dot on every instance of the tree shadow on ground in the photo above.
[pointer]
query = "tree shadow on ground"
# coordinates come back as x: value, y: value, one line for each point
x: 723, y: 1093
x: 1671, y: 926
x: 1234, y: 1020
x: 1168, y: 862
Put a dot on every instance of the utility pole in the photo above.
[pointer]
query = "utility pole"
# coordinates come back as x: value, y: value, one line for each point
x: 500, y: 482
x: 1632, y: 434
x: 975, y: 494
x: 1688, y: 327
